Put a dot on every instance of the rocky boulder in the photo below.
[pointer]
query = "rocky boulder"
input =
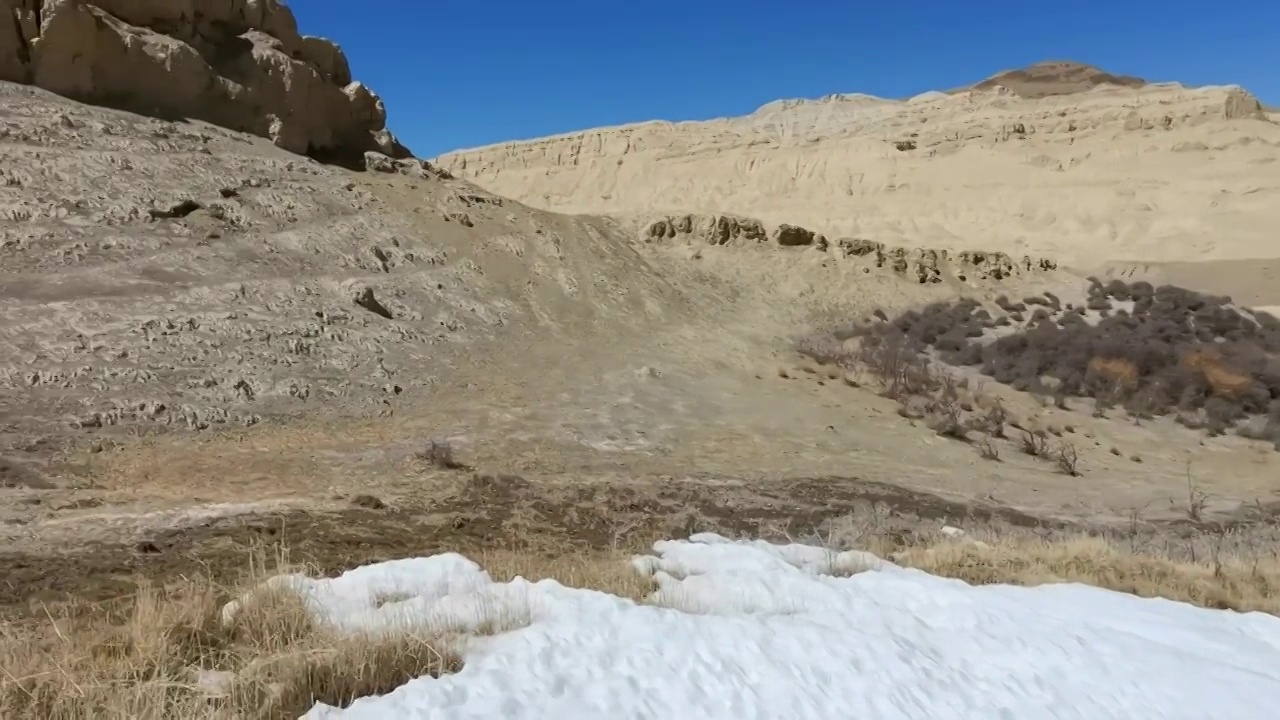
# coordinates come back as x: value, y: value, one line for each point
x: 794, y: 236
x: 240, y: 64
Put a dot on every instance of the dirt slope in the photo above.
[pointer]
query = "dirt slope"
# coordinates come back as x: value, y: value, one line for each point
x: 206, y: 341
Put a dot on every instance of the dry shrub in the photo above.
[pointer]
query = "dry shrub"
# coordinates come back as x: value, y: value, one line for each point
x: 439, y: 454
x: 1035, y: 442
x: 899, y: 365
x: 1173, y: 351
x: 1122, y: 372
x: 946, y: 419
x: 1223, y: 381
x: 945, y: 412
x: 1068, y: 459
x: 988, y: 450
x: 994, y: 419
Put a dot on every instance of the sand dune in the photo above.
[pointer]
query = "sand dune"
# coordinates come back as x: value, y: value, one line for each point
x: 1156, y: 173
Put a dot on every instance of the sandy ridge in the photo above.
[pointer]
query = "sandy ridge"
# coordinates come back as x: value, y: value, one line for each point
x: 1158, y: 173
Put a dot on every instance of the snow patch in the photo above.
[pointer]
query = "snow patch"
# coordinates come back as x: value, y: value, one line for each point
x: 754, y: 630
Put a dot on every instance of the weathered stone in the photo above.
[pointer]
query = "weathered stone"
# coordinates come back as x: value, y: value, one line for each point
x: 238, y: 63
x: 792, y: 236
x: 711, y: 229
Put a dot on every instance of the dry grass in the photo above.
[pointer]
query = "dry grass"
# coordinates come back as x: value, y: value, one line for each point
x: 1229, y: 569
x: 145, y: 659
x: 141, y: 660
x: 1231, y: 583
x: 606, y: 571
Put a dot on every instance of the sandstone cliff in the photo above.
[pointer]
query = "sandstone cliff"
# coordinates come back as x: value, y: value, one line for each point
x: 1121, y: 170
x: 241, y: 64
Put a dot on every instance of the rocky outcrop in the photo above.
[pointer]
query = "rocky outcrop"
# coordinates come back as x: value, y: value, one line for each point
x: 928, y: 265
x: 924, y: 265
x: 728, y: 230
x: 241, y: 64
x: 1240, y: 104
x: 793, y: 236
x: 711, y: 229
x: 413, y: 167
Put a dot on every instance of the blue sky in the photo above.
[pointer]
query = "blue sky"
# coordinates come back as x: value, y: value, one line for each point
x: 462, y: 74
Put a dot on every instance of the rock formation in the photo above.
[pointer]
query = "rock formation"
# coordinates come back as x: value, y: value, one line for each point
x: 240, y: 64
x: 711, y: 229
x: 1037, y: 162
x: 1046, y: 79
x: 924, y: 265
x: 931, y: 265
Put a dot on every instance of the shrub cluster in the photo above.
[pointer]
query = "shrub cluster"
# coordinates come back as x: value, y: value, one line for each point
x: 1152, y: 350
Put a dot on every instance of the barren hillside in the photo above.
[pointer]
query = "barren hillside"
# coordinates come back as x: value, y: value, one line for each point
x: 235, y: 313
x: 1117, y: 172
x: 200, y: 326
x: 199, y: 322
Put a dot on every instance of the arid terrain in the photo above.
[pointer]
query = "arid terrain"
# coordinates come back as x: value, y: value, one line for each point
x: 1158, y: 173
x: 209, y: 342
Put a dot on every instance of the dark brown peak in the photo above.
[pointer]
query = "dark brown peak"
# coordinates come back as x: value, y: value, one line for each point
x: 1056, y: 77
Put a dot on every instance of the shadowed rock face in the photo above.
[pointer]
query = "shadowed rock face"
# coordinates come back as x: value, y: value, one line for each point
x: 240, y: 64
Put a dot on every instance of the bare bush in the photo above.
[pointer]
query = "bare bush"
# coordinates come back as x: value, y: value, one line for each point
x: 899, y: 364
x: 946, y: 419
x: 1068, y: 459
x: 988, y: 449
x: 439, y: 454
x: 1196, y: 499
x: 993, y: 421
x: 946, y: 411
x: 1035, y: 442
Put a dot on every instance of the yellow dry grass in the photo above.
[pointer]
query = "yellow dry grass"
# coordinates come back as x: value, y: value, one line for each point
x: 142, y: 660
x: 1228, y: 583
x: 165, y: 653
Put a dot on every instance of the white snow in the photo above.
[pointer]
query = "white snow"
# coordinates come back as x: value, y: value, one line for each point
x: 739, y: 631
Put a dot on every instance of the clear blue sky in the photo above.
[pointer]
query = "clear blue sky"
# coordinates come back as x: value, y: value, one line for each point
x: 462, y: 74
